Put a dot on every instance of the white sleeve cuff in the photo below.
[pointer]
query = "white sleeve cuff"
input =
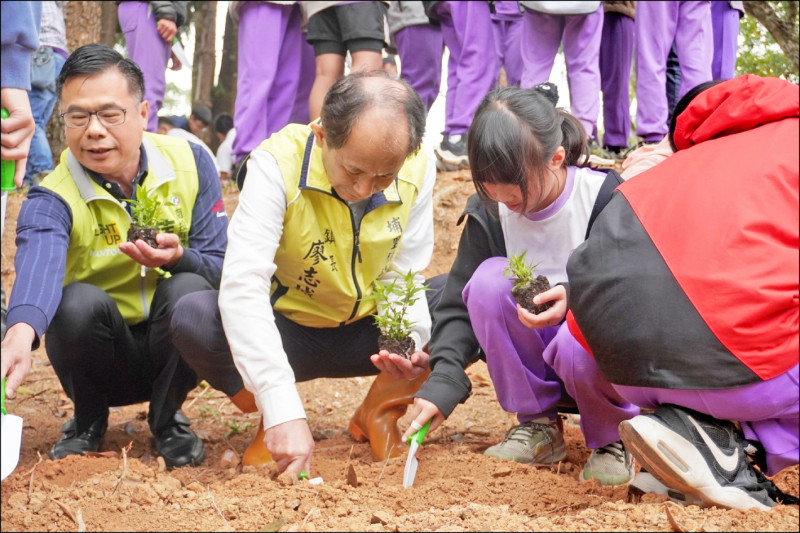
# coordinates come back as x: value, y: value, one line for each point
x: 280, y: 404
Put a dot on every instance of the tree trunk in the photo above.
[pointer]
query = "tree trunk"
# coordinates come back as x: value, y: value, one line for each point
x: 783, y: 31
x: 204, y: 61
x: 83, y: 21
x: 223, y: 95
x: 108, y: 23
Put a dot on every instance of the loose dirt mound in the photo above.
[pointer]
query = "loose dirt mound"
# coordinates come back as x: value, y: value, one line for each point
x: 457, y: 488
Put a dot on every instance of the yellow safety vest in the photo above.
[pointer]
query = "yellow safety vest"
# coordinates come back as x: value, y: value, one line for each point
x: 325, y: 262
x: 100, y: 222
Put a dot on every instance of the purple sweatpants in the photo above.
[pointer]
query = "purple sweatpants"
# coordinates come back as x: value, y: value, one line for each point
x: 616, y: 54
x: 658, y: 25
x: 529, y: 367
x: 420, y: 48
x: 270, y: 57
x: 308, y: 71
x: 767, y: 412
x: 467, y: 32
x: 725, y: 28
x: 581, y: 35
x: 148, y: 50
x: 507, y: 25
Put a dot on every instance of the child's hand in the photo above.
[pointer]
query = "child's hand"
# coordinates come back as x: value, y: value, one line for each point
x: 553, y: 316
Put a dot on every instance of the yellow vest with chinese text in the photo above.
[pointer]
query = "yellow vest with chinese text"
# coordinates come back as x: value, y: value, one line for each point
x: 326, y: 263
x: 100, y: 222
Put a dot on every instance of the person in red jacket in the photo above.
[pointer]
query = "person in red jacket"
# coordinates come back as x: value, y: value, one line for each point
x: 695, y: 313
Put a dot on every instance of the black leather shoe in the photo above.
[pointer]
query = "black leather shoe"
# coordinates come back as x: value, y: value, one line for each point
x: 71, y: 443
x: 178, y: 444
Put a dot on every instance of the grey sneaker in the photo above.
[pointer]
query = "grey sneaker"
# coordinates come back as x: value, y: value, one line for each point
x: 536, y: 442
x: 611, y: 465
x: 700, y: 457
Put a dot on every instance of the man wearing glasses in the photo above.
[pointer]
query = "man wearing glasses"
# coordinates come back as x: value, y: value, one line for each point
x: 106, y: 303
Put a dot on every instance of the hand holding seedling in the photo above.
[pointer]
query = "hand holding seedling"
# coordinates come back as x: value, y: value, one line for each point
x: 167, y: 254
x: 552, y: 316
x: 398, y: 366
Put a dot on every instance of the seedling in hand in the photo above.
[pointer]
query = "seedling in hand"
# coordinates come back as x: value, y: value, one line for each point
x: 526, y: 286
x: 394, y: 300
x: 145, y: 216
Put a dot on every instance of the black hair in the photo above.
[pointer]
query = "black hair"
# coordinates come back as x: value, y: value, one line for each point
x: 348, y: 98
x: 223, y: 123
x: 96, y: 58
x: 166, y: 120
x: 682, y: 104
x: 514, y: 134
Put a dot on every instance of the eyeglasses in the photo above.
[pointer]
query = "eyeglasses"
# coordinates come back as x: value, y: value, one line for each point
x: 107, y: 117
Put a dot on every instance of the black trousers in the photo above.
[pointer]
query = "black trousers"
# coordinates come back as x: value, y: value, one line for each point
x: 336, y: 352
x: 101, y: 361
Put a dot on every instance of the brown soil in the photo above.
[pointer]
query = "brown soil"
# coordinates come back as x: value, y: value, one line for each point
x: 404, y: 347
x: 525, y: 294
x: 145, y: 233
x: 457, y: 488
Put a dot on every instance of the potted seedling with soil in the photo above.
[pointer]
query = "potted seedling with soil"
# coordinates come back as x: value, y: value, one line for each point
x: 526, y: 286
x: 145, y: 211
x: 394, y: 300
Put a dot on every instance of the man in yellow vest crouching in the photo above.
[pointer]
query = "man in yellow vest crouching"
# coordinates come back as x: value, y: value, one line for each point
x: 106, y: 303
x: 327, y: 209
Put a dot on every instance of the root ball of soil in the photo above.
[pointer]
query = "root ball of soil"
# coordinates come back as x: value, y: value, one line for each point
x: 146, y: 233
x: 524, y: 294
x: 404, y: 347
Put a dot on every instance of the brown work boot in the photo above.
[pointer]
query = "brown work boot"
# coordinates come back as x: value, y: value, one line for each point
x: 376, y: 418
x: 256, y: 453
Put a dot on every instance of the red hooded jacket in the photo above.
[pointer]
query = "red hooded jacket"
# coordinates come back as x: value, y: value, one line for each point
x: 690, y: 276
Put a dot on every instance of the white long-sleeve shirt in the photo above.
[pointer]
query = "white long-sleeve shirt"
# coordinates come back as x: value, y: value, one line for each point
x: 254, y: 234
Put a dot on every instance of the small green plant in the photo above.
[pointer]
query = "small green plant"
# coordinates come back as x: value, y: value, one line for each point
x: 144, y: 216
x: 144, y: 207
x: 519, y: 270
x: 206, y: 411
x: 236, y: 426
x: 525, y: 285
x: 394, y: 300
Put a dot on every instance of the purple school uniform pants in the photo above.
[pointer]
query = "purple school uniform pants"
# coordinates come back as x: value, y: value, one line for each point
x: 725, y: 28
x: 467, y: 32
x: 420, y: 48
x: 581, y: 35
x: 616, y: 54
x: 658, y: 25
x: 270, y: 58
x: 507, y: 28
x: 530, y: 367
x: 148, y: 50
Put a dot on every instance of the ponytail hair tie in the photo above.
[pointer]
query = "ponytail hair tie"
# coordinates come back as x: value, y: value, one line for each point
x: 548, y: 90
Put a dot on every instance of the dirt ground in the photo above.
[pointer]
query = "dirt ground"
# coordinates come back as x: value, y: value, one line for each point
x: 125, y: 488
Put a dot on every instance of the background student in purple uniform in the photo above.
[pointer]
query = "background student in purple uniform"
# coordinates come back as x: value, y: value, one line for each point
x: 467, y: 32
x: 725, y: 28
x: 269, y: 62
x: 616, y: 54
x: 579, y: 25
x: 149, y: 28
x: 658, y: 24
x: 420, y: 46
x: 507, y: 29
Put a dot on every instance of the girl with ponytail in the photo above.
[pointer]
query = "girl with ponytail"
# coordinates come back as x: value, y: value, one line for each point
x: 535, y: 196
